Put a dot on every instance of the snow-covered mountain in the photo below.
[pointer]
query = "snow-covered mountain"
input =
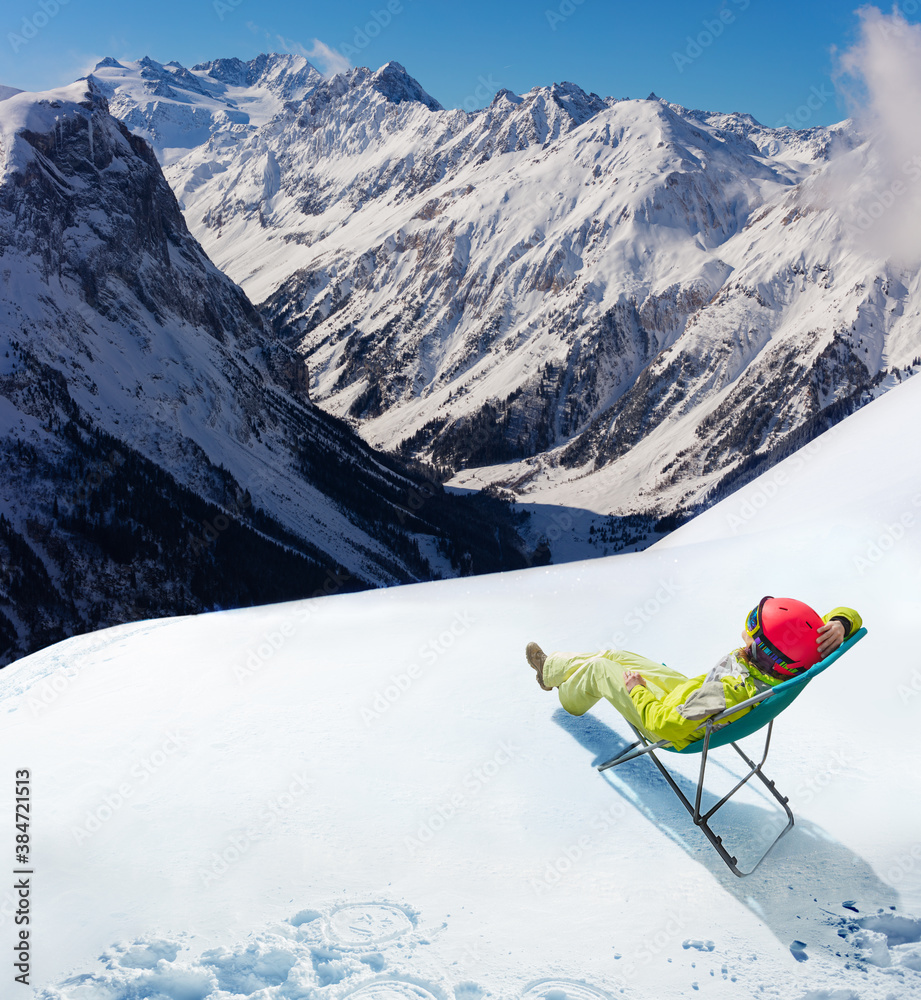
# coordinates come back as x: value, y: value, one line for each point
x: 368, y: 796
x: 618, y: 305
x: 599, y: 305
x: 160, y: 451
x: 176, y: 109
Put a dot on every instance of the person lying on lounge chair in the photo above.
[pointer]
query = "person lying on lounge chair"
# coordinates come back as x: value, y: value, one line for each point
x: 782, y: 637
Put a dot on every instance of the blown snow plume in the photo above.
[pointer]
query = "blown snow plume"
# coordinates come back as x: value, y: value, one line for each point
x: 881, y: 79
x: 330, y: 60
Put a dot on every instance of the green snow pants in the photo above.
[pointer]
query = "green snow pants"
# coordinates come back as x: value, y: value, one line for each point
x: 584, y: 679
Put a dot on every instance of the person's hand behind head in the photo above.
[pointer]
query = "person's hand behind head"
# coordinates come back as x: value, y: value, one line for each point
x: 831, y: 635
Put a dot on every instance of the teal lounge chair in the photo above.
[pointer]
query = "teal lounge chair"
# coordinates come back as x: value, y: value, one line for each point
x: 717, y: 733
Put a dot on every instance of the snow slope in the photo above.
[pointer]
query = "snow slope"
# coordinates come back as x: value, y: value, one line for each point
x: 369, y: 796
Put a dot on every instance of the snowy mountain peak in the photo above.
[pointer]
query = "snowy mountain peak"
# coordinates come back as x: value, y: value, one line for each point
x: 352, y: 99
x: 233, y: 71
x: 30, y: 123
x: 150, y: 69
x: 176, y: 109
x: 506, y: 95
x: 288, y: 76
x: 573, y: 99
x: 648, y: 254
x: 397, y: 85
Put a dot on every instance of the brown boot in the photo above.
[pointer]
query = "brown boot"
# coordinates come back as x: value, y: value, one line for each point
x: 536, y: 657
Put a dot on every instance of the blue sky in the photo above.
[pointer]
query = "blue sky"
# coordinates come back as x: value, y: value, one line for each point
x: 774, y: 59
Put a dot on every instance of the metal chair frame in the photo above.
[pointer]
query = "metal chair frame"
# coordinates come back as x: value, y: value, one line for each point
x: 718, y: 724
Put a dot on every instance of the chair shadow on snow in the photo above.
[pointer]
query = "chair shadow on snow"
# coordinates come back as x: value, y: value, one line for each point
x: 806, y: 865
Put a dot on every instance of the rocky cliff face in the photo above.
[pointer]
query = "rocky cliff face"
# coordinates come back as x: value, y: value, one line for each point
x: 160, y: 453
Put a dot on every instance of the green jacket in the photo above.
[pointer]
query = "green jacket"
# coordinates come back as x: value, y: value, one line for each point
x: 679, y: 715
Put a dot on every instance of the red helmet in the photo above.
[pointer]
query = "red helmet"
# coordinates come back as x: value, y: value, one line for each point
x: 784, y: 636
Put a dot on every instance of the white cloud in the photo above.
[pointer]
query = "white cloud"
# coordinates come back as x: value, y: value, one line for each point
x: 321, y: 55
x: 880, y: 76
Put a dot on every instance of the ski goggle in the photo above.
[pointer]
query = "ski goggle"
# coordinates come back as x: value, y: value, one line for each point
x: 753, y: 622
x: 767, y: 655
